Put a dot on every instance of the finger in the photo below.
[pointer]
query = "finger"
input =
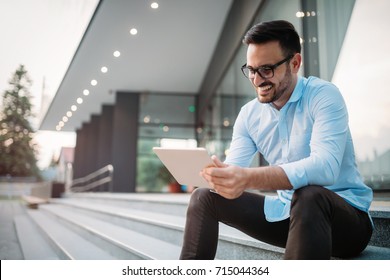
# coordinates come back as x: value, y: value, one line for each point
x: 217, y: 162
x: 217, y: 172
x: 207, y: 178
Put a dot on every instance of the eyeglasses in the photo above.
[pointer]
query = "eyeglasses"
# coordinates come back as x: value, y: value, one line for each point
x: 266, y: 71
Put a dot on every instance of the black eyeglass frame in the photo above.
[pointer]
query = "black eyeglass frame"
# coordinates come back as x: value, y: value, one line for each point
x: 264, y: 67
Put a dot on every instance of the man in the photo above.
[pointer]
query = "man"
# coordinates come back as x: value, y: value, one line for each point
x: 300, y: 126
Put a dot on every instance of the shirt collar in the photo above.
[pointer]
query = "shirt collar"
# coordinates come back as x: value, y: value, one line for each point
x: 298, y: 91
x: 296, y: 95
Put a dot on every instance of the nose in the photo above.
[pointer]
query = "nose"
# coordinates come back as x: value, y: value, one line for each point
x: 257, y: 79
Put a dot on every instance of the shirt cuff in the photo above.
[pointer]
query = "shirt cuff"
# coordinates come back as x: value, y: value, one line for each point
x: 296, y: 174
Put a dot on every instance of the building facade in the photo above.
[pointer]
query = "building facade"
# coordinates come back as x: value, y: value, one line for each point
x: 124, y: 132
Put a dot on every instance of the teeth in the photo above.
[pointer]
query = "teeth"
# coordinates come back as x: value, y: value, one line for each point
x: 264, y: 88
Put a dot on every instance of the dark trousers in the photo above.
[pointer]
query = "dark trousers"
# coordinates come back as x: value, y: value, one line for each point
x: 321, y: 224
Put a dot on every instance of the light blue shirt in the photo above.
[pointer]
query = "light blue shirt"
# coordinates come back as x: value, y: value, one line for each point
x: 308, y: 138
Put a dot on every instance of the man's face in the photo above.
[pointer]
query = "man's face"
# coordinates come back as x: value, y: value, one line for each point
x: 278, y: 89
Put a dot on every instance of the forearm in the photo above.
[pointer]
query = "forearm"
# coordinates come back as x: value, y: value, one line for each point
x: 231, y: 181
x: 267, y: 178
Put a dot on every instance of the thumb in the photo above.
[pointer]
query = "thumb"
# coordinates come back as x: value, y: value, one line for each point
x: 217, y: 162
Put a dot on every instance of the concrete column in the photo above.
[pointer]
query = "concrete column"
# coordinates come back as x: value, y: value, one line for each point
x: 87, y: 148
x: 124, y: 141
x: 93, y: 143
x: 310, y: 47
x: 80, y: 168
x: 238, y: 20
x: 104, y: 155
x: 77, y: 155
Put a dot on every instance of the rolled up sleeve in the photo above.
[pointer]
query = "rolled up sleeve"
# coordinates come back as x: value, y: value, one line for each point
x: 327, y: 144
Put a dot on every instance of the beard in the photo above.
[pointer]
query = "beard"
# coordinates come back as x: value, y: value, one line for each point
x: 280, y: 91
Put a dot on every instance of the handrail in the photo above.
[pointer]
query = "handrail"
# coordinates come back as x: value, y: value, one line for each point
x: 91, y: 181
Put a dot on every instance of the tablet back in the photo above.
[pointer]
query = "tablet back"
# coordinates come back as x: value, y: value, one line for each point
x: 185, y: 164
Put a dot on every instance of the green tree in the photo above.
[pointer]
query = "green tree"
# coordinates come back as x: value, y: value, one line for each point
x: 17, y: 151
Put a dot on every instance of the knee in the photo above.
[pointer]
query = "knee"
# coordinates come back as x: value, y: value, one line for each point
x: 200, y: 198
x: 307, y: 200
x: 309, y: 193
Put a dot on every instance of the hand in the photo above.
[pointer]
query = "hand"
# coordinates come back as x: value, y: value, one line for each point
x: 227, y: 180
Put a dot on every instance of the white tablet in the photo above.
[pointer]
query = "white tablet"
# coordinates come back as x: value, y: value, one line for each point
x: 185, y: 164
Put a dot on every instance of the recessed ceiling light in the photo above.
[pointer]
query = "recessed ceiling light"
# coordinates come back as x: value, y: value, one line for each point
x: 64, y: 119
x: 61, y: 124
x: 117, y: 53
x: 73, y: 108
x: 58, y: 128
x: 133, y: 31
x: 69, y: 114
x: 147, y: 119
x: 86, y: 92
x: 154, y: 5
x: 104, y: 69
x: 79, y: 100
x: 93, y: 82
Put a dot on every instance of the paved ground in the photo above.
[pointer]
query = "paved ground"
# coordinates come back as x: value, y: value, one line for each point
x: 9, y: 245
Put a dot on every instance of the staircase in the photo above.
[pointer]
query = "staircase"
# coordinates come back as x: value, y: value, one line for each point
x: 105, y: 226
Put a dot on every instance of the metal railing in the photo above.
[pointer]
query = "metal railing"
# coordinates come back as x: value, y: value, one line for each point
x: 100, y: 177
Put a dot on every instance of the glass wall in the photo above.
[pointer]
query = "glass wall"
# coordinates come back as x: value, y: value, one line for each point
x: 343, y: 42
x: 361, y: 73
x: 235, y: 90
x: 164, y: 119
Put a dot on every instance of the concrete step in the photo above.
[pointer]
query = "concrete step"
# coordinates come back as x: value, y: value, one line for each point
x: 380, y: 213
x: 174, y: 204
x: 374, y: 253
x: 121, y: 242
x: 143, y: 226
x: 233, y: 244
x: 67, y: 244
x: 32, y: 242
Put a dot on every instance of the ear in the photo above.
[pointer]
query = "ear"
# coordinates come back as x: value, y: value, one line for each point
x: 296, y: 62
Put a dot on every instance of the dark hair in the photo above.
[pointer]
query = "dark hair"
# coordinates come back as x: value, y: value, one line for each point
x: 278, y: 30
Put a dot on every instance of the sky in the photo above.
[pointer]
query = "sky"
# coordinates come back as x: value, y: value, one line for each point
x: 43, y: 35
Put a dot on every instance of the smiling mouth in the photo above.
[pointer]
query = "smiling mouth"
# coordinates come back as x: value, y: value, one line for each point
x: 265, y: 88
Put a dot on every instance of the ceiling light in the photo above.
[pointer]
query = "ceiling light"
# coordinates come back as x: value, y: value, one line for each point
x: 79, y: 100
x: 154, y: 5
x: 147, y: 119
x: 61, y: 124
x: 226, y: 122
x: 104, y: 69
x: 64, y: 119
x: 58, y: 128
x: 73, y: 108
x: 93, y: 82
x: 69, y: 114
x: 133, y: 31
x: 117, y: 53
x: 86, y: 92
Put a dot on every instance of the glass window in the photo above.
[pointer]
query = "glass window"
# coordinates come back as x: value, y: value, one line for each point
x: 341, y: 41
x: 235, y: 90
x: 361, y: 73
x: 162, y: 118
